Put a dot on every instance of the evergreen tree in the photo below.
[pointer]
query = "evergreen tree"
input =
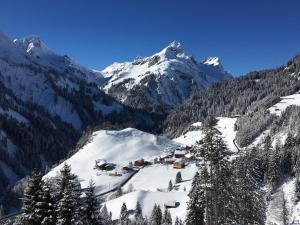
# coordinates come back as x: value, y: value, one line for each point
x: 297, y: 190
x: 167, y: 218
x: 47, y: 207
x: 68, y: 207
x: 138, y: 214
x: 290, y: 141
x: 177, y: 221
x: 267, y: 149
x: 178, y: 178
x: 91, y: 213
x: 119, y: 192
x: 124, y: 220
x: 66, y: 177
x: 105, y: 216
x: 249, y: 206
x: 274, y: 169
x: 215, y: 195
x: 156, y: 216
x: 170, y: 186
x: 196, y: 203
x: 32, y: 207
x: 285, y: 214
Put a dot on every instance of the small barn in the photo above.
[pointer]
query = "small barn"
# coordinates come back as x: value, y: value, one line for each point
x: 180, y: 153
x: 113, y: 173
x: 127, y: 168
x: 179, y: 164
x: 189, y: 156
x: 165, y: 156
x: 228, y: 152
x: 170, y: 204
x: 104, y: 165
x: 100, y: 164
x: 169, y: 160
x: 139, y: 162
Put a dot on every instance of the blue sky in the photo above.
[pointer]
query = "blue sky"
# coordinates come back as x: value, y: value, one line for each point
x: 246, y: 35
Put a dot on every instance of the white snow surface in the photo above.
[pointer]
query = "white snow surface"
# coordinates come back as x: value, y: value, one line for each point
x: 286, y: 101
x: 150, y: 187
x: 225, y: 125
x: 118, y: 147
x: 159, y: 175
x: 215, y: 61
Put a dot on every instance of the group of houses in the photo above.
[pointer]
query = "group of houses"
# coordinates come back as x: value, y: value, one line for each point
x: 177, y: 157
x: 112, y: 169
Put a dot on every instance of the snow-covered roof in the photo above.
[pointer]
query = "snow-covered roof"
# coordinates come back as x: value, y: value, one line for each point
x: 170, y: 203
x: 170, y: 160
x: 188, y: 155
x: 180, y: 152
x: 101, y: 162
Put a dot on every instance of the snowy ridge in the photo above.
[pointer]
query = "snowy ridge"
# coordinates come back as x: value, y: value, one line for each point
x: 165, y: 78
x: 34, y: 73
x: 215, y: 61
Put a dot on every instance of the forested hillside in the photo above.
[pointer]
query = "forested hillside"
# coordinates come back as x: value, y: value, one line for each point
x: 250, y: 96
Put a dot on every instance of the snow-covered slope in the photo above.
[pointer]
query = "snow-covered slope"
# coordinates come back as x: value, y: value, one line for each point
x: 285, y: 102
x: 36, y: 74
x: 163, y: 79
x: 118, y: 147
x: 225, y: 125
x: 149, y: 184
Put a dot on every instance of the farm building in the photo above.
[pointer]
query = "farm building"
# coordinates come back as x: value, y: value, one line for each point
x: 100, y: 164
x: 179, y: 164
x: 180, y: 153
x: 103, y: 165
x: 165, y: 156
x: 113, y: 173
x: 169, y: 160
x: 128, y: 168
x: 170, y: 204
x: 189, y: 156
x: 139, y: 162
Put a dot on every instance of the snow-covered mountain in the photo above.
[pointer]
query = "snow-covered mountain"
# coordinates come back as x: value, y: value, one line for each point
x: 163, y: 80
x: 36, y: 74
x: 47, y: 101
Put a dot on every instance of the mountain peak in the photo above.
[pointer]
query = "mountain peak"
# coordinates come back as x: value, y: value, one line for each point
x: 172, y: 51
x: 174, y: 44
x: 213, y: 61
x: 33, y: 45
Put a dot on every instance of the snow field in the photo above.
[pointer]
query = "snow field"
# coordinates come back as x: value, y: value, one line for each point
x: 118, y: 147
x: 225, y: 125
